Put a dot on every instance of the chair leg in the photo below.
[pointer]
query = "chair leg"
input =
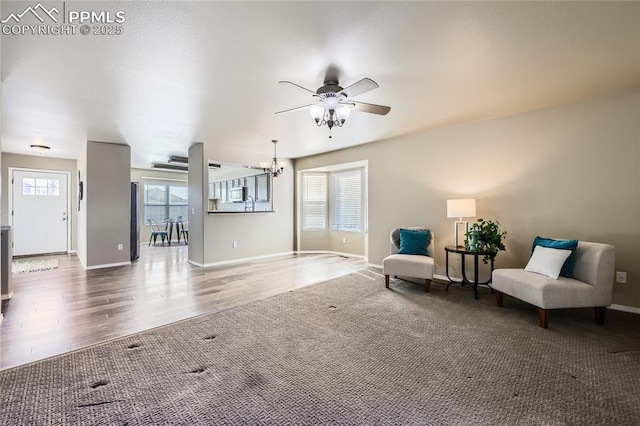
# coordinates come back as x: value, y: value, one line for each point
x: 386, y: 281
x: 427, y: 285
x: 600, y: 312
x: 150, y: 238
x: 499, y: 298
x: 543, y: 316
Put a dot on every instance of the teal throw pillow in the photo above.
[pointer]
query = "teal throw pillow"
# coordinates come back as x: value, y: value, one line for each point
x: 570, y: 263
x: 414, y: 241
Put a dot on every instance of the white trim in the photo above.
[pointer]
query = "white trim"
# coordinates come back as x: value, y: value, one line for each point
x: 624, y: 308
x: 373, y: 265
x: 240, y: 260
x: 167, y: 179
x: 81, y: 262
x: 73, y: 252
x: 1, y: 317
x: 446, y: 279
x: 7, y: 296
x: 337, y: 253
x: 106, y: 265
x: 69, y: 196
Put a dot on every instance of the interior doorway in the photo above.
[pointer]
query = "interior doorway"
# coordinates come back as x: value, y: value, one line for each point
x: 39, y: 211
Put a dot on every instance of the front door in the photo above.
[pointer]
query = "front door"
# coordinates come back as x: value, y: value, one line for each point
x: 40, y: 216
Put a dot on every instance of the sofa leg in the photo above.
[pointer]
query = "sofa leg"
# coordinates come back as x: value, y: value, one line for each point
x: 427, y: 285
x: 543, y: 316
x: 499, y: 298
x: 600, y: 312
x: 386, y: 281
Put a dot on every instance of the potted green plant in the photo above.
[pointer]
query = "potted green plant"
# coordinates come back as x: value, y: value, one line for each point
x: 485, y: 237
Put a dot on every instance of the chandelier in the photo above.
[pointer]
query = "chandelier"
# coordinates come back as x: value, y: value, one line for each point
x: 276, y: 168
x: 331, y: 112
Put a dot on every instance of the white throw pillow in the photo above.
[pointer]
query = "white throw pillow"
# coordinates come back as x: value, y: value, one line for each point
x: 547, y: 261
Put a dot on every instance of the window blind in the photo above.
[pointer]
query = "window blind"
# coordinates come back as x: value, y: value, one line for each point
x: 314, y: 201
x: 347, y: 201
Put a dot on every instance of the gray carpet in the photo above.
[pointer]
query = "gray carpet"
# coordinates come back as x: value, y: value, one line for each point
x: 347, y: 351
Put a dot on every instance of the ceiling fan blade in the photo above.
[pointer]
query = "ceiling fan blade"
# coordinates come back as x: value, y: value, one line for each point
x: 296, y: 85
x: 293, y: 109
x: 359, y: 87
x: 371, y: 108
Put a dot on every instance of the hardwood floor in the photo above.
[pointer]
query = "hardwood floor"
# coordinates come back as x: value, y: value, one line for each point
x: 59, y: 310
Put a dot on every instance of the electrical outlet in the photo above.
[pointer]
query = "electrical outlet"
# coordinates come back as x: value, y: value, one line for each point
x: 193, y: 210
x: 235, y: 244
x: 344, y: 241
x: 120, y: 247
x: 621, y: 277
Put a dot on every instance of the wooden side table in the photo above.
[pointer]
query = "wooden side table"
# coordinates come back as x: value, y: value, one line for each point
x: 463, y: 252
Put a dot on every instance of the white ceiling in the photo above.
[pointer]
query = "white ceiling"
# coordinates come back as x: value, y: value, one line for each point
x: 209, y: 71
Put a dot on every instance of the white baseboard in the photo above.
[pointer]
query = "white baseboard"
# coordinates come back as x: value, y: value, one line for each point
x: 73, y: 252
x: 7, y: 296
x: 241, y: 260
x: 107, y: 265
x: 1, y: 318
x: 337, y: 253
x: 373, y: 265
x: 624, y: 308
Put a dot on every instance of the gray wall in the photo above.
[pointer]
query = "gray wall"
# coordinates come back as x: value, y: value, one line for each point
x: 81, y: 227
x: 108, y: 204
x: 571, y: 171
x: 198, y: 190
x: 42, y: 162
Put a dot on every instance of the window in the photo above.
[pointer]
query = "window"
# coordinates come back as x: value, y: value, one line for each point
x: 35, y: 186
x: 163, y: 201
x: 347, y: 201
x: 314, y: 201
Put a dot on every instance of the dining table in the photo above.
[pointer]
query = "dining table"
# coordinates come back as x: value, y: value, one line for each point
x: 169, y: 225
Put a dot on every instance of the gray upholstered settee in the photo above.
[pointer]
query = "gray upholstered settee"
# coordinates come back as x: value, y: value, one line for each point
x: 591, y: 285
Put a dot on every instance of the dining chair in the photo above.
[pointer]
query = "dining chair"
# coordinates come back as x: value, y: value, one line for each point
x: 156, y: 232
x: 183, y: 231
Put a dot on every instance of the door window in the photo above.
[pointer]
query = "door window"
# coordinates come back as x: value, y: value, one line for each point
x: 47, y: 187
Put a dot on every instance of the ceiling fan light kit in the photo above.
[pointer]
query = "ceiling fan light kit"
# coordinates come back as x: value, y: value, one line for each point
x: 333, y: 106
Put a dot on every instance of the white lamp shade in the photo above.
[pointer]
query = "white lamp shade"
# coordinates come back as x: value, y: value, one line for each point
x: 461, y: 208
x: 316, y: 111
x: 343, y: 112
x: 331, y: 103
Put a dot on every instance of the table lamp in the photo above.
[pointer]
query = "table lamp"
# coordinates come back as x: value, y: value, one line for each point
x: 461, y: 208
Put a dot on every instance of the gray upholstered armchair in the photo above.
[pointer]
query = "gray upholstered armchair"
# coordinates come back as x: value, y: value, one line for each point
x: 409, y: 265
x: 590, y: 286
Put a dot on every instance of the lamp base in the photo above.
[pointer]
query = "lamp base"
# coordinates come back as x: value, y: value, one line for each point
x: 456, y: 225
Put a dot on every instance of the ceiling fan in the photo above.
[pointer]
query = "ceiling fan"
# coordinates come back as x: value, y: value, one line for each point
x: 333, y: 103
